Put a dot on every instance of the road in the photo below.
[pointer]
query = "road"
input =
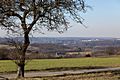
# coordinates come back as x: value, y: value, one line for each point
x: 46, y: 73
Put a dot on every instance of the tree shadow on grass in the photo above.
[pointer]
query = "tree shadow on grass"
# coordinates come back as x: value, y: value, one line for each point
x: 75, y: 68
x: 69, y: 68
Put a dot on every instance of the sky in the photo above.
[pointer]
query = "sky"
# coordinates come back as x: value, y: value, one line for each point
x: 103, y: 20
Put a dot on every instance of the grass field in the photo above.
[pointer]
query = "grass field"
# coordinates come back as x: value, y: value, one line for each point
x: 41, y: 64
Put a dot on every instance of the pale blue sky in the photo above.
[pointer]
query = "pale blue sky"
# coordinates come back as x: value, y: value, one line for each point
x: 102, y: 21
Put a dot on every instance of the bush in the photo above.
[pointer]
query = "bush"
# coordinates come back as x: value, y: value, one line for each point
x: 4, y: 53
x: 88, y: 55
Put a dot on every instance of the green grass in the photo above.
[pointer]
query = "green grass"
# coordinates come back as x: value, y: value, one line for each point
x: 8, y: 66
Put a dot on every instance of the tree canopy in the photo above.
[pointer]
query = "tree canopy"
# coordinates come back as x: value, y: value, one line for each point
x: 49, y: 14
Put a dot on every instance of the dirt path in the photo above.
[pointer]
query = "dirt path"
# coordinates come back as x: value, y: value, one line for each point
x: 46, y: 73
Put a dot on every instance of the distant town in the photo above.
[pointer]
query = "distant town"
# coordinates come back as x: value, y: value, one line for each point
x: 66, y: 47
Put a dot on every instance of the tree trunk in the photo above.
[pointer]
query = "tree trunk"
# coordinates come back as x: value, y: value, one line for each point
x: 20, y: 72
x: 21, y: 64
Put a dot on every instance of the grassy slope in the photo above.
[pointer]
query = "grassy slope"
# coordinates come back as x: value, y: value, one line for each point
x: 7, y: 65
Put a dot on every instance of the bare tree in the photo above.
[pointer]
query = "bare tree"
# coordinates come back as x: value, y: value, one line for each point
x: 16, y: 54
x: 24, y: 16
